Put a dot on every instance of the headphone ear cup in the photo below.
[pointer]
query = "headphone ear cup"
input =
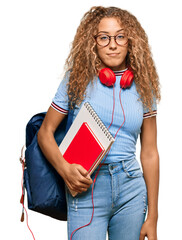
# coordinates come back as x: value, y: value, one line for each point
x: 127, y: 79
x: 107, y: 77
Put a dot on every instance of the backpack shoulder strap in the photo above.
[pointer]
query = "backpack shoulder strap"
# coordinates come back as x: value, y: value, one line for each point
x: 70, y: 119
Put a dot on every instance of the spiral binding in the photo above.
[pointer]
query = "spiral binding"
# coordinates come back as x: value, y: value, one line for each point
x: 98, y: 121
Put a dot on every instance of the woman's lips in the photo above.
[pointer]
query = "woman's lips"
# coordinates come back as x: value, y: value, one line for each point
x: 112, y: 54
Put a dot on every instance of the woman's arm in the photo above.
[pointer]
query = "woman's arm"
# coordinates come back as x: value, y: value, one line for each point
x: 74, y: 175
x: 150, y: 163
x: 47, y: 141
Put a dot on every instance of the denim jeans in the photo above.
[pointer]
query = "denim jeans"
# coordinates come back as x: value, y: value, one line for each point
x: 120, y: 204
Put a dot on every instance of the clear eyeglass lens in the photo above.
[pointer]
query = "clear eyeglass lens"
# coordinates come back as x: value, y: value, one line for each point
x: 102, y: 40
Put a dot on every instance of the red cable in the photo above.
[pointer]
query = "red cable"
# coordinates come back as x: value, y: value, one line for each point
x: 104, y: 159
x: 23, y: 167
x: 113, y: 107
x: 123, y: 113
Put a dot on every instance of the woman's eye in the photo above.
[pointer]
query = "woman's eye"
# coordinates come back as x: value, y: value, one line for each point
x: 103, y: 37
x: 120, y: 36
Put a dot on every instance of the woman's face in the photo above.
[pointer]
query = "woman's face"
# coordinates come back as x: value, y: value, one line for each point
x: 112, y: 55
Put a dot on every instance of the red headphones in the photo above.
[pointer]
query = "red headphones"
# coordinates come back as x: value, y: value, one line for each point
x: 108, y: 78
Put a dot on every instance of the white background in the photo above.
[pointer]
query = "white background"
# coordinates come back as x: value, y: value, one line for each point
x: 34, y: 43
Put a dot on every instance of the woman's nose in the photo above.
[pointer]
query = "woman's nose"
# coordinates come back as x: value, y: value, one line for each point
x: 112, y: 43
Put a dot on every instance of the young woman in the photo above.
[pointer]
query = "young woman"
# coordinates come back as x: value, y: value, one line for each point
x: 110, y: 38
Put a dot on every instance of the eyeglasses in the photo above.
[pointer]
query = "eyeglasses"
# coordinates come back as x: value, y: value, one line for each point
x: 103, y: 40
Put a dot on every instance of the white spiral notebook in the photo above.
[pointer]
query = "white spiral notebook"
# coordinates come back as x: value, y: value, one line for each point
x: 87, y: 140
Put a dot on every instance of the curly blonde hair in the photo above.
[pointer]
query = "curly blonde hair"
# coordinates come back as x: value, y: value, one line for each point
x: 83, y: 60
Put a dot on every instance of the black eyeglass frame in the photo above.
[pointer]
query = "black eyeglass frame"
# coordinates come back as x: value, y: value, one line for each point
x: 109, y: 39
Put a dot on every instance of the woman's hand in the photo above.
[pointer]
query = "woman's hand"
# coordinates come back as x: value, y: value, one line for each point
x: 149, y: 229
x: 76, y: 177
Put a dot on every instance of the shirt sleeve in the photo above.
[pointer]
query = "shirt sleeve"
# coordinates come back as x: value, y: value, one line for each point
x: 60, y: 100
x: 147, y: 113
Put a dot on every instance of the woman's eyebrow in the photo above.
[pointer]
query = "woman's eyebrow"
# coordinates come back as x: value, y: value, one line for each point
x: 116, y: 31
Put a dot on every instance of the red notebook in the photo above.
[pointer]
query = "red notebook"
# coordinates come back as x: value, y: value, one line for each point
x: 85, y: 148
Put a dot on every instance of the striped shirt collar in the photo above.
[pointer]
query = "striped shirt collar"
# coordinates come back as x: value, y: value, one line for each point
x: 120, y: 73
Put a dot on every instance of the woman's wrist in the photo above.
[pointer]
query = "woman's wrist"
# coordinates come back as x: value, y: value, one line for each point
x: 62, y: 167
x: 153, y: 217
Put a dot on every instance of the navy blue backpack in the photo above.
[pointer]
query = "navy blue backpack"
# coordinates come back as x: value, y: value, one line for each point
x: 44, y: 186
